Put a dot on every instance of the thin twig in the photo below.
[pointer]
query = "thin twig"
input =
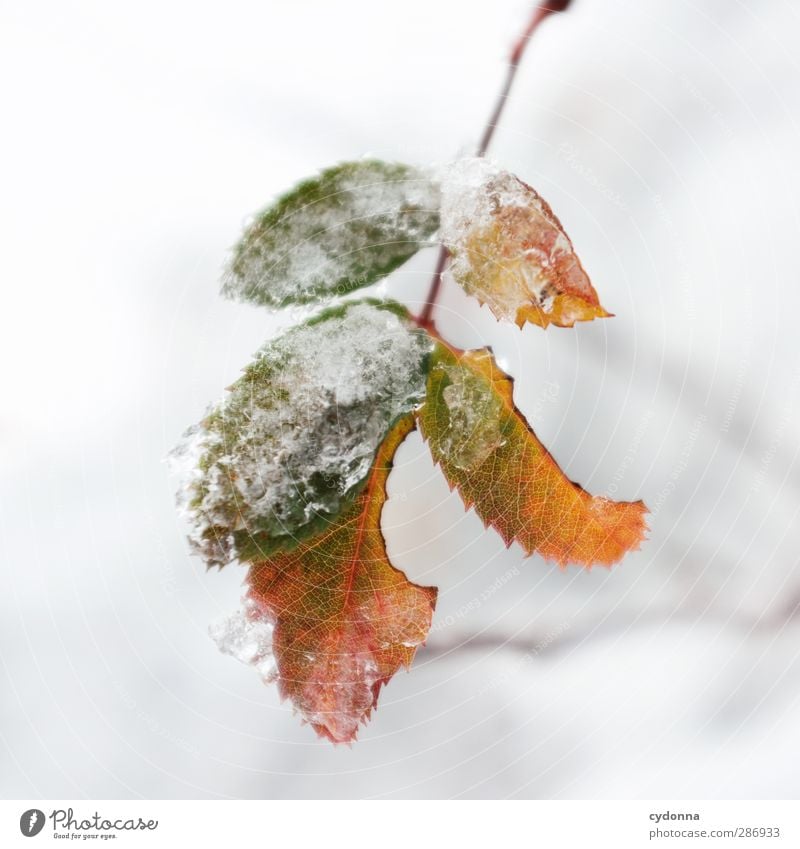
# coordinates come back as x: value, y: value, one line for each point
x: 425, y: 319
x: 541, y: 11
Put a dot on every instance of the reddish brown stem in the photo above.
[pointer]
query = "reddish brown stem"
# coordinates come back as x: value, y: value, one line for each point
x: 425, y: 319
x: 541, y: 11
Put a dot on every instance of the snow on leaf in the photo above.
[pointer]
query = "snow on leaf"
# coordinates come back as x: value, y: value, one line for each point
x: 510, y: 251
x: 345, y: 620
x: 332, y: 234
x: 488, y: 451
x: 294, y: 439
x: 247, y: 636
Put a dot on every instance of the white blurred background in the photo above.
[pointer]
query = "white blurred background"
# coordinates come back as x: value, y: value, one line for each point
x: 665, y: 134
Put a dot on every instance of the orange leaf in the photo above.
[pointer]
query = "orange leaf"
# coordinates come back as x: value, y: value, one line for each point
x: 345, y: 620
x: 489, y: 452
x: 510, y: 251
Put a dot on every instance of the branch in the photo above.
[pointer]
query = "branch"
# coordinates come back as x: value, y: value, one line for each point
x: 541, y: 11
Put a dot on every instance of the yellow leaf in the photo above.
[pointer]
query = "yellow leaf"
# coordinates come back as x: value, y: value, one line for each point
x: 488, y: 451
x: 510, y: 251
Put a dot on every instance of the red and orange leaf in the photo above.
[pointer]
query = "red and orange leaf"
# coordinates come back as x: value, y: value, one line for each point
x: 345, y: 620
x: 510, y: 251
x: 488, y: 451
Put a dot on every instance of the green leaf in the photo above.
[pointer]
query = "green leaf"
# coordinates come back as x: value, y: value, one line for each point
x: 292, y: 443
x: 332, y: 234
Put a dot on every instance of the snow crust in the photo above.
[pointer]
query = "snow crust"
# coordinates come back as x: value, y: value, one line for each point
x: 371, y: 215
x: 299, y: 431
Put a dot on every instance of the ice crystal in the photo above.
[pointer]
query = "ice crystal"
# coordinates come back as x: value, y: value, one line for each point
x: 247, y: 636
x: 335, y: 233
x: 473, y: 431
x: 466, y: 202
x: 296, y: 436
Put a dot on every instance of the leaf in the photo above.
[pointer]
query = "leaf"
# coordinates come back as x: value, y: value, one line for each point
x: 510, y: 251
x: 294, y: 440
x: 332, y: 234
x: 488, y: 451
x: 345, y: 620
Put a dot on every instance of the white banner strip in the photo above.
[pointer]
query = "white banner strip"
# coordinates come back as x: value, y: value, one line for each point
x: 306, y: 824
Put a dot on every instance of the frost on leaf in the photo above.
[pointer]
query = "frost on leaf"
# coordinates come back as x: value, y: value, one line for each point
x: 334, y: 233
x: 247, y: 636
x: 510, y: 251
x: 295, y: 438
x: 487, y: 450
x: 474, y: 414
x: 344, y: 619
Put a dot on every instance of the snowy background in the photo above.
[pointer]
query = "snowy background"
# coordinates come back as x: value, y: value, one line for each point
x: 138, y: 137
